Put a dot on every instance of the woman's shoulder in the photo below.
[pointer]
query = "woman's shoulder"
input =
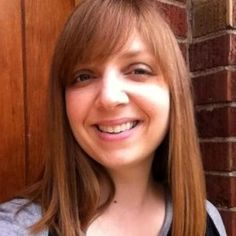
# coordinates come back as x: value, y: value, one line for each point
x: 16, y: 219
x: 215, y: 216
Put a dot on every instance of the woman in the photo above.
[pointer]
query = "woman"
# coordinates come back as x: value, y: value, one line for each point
x: 124, y: 155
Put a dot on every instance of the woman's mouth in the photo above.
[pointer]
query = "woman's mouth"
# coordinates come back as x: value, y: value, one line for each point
x: 117, y: 129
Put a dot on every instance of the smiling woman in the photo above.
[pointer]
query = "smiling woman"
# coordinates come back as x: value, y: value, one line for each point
x: 124, y: 153
x: 124, y: 100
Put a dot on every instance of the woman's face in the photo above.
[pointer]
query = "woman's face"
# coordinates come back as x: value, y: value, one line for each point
x: 118, y: 109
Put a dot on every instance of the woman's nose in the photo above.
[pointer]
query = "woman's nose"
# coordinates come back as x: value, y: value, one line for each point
x: 112, y: 92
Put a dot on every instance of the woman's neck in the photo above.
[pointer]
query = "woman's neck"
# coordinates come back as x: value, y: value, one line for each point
x: 137, y: 199
x: 134, y: 186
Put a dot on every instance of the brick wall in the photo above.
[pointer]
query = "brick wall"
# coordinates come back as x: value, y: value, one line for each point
x: 206, y: 31
x: 212, y: 59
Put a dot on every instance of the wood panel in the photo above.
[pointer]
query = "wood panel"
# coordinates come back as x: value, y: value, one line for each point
x: 12, y: 125
x: 43, y: 22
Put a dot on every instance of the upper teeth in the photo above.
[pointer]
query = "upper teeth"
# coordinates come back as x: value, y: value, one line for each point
x: 117, y: 128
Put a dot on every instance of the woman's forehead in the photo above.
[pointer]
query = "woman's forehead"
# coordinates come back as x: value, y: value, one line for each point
x: 135, y: 45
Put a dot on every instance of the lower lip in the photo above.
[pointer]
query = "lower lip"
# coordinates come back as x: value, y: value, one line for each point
x: 117, y: 137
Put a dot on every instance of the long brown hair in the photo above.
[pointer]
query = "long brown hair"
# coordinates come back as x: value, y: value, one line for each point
x: 69, y: 190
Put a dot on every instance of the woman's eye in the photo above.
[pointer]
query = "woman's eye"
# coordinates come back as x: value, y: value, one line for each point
x: 139, y: 70
x: 84, y: 76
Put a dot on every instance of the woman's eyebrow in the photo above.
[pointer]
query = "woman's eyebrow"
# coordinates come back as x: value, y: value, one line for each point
x: 140, y: 55
x: 131, y: 54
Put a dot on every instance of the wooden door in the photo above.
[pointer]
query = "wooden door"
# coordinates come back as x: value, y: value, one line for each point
x: 28, y: 30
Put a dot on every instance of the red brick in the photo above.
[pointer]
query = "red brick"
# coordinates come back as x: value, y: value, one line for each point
x: 219, y: 156
x: 221, y: 190
x: 232, y: 51
x: 218, y: 122
x: 214, y: 88
x: 219, y: 51
x: 229, y: 219
x: 176, y: 17
x: 233, y: 159
x: 208, y: 16
x: 233, y: 87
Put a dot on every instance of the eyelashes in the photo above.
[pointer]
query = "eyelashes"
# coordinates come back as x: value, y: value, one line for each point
x: 82, y: 77
x: 139, y: 70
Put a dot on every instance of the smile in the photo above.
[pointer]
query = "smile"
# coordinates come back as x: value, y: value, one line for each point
x: 116, y: 129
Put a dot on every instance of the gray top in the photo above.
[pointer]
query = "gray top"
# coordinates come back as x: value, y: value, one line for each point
x: 16, y: 225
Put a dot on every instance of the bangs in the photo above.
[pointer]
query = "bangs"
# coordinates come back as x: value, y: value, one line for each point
x: 105, y: 30
x: 97, y: 31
